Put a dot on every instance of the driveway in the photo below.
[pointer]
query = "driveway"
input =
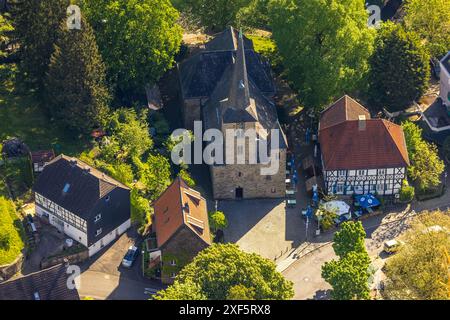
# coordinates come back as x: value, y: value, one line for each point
x: 103, y: 277
x: 51, y: 243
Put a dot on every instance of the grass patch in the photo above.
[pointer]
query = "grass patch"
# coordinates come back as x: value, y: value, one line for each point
x: 21, y: 116
x: 11, y: 232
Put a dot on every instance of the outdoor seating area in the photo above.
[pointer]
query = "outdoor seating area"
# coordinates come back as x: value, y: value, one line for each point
x: 360, y: 207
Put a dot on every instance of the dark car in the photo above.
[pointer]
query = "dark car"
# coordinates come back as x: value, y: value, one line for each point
x: 435, y: 68
x: 130, y: 257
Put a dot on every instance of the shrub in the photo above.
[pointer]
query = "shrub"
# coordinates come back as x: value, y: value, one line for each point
x: 407, y: 192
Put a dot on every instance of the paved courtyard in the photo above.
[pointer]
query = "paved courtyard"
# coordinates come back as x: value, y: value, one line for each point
x: 263, y: 226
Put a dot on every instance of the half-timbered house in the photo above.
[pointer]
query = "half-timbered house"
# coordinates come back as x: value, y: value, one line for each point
x: 82, y: 202
x: 359, y: 154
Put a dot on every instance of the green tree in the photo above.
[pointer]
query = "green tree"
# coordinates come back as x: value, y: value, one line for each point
x: 215, y: 15
x: 140, y: 208
x: 400, y: 68
x: 5, y: 30
x: 431, y: 20
x: 326, y: 217
x: 129, y: 135
x: 350, y: 238
x: 254, y: 15
x: 240, y: 292
x: 36, y: 24
x: 426, y: 166
x: 217, y: 220
x: 325, y: 46
x: 75, y: 85
x: 420, y: 270
x: 349, y: 276
x: 182, y: 291
x: 154, y: 174
x: 217, y: 269
x: 138, y: 40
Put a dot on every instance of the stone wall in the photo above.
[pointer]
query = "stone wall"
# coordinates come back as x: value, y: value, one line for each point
x: 226, y: 178
x: 72, y: 259
x: 7, y: 271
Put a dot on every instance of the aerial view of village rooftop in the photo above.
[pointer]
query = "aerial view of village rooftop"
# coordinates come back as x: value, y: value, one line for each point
x: 240, y: 150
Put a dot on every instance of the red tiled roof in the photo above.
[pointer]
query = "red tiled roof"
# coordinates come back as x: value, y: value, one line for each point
x: 344, y: 146
x: 343, y: 109
x: 170, y: 214
x: 42, y: 156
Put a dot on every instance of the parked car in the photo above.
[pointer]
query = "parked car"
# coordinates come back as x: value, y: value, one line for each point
x: 130, y: 257
x: 435, y: 68
x: 392, y: 246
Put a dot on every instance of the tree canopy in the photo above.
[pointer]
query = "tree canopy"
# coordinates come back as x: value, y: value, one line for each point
x: 5, y: 30
x: 400, y: 68
x: 349, y: 275
x: 76, y: 91
x: 325, y: 46
x: 36, y: 27
x: 431, y: 20
x: 217, y: 220
x: 216, y: 271
x: 419, y: 270
x: 426, y: 166
x: 350, y: 238
x: 138, y: 40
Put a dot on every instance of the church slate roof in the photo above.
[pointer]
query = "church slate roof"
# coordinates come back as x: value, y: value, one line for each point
x: 200, y: 74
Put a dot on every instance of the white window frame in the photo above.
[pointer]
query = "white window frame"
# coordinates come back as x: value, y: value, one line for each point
x: 98, y: 232
x: 98, y: 217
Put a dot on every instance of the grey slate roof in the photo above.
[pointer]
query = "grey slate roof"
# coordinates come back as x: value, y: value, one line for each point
x: 201, y: 73
x: 237, y: 99
x: 49, y: 284
x: 86, y: 187
x: 227, y: 40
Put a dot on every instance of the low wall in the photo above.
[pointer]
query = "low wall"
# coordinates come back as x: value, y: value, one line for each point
x: 71, y: 258
x: 7, y: 271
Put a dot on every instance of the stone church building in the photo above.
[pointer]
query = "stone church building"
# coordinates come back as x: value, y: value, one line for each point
x: 229, y: 86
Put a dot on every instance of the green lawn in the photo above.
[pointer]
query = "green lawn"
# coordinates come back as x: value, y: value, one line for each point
x: 20, y: 116
x: 12, y: 233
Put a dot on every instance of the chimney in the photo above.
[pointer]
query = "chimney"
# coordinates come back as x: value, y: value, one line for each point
x: 361, y: 122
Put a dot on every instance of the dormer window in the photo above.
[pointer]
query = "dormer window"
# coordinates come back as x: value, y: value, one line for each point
x: 107, y: 198
x: 98, y: 217
x: 98, y: 232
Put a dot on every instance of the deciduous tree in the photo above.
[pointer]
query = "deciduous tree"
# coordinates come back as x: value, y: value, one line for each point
x: 325, y: 46
x: 431, y: 20
x: 138, y: 40
x: 348, y: 276
x: 218, y: 269
x: 420, y: 270
x: 350, y: 238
